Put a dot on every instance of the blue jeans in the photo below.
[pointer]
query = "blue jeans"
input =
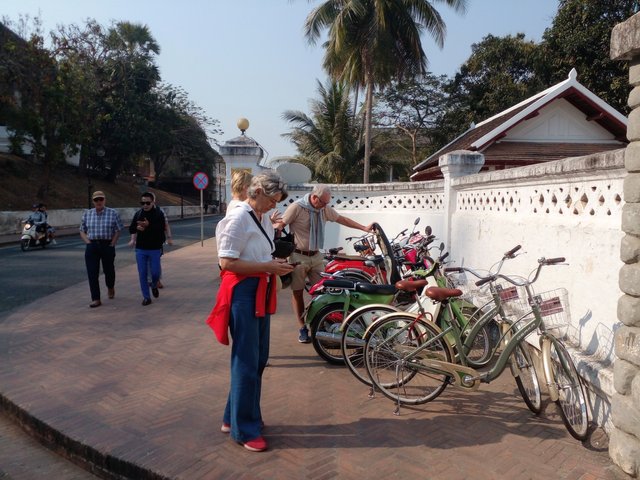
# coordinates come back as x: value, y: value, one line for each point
x: 144, y: 258
x: 249, y: 356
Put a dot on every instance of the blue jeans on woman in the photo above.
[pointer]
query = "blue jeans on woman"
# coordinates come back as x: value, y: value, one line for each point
x: 249, y: 356
x: 144, y: 259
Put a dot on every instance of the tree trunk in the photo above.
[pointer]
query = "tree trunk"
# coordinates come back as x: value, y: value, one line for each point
x: 367, y: 130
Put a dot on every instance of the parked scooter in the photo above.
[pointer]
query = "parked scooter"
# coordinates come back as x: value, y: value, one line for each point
x: 358, y: 267
x: 31, y: 237
x: 334, y: 298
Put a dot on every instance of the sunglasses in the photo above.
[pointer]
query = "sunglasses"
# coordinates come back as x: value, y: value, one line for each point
x: 98, y: 199
x: 145, y: 203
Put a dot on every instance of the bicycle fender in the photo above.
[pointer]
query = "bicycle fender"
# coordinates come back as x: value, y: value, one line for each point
x: 364, y: 307
x: 407, y: 314
x: 545, y: 348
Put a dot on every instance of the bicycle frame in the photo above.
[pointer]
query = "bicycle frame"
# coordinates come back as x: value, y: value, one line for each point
x: 348, y: 299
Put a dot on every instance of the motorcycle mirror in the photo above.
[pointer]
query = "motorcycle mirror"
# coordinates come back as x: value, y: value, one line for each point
x: 441, y: 246
x: 428, y: 230
x: 416, y: 221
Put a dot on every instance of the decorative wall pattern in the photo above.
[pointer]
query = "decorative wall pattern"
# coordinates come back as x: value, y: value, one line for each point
x: 380, y: 201
x: 596, y: 198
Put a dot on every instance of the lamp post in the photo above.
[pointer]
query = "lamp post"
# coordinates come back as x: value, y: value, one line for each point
x: 99, y: 153
x: 181, y: 199
x: 89, y: 186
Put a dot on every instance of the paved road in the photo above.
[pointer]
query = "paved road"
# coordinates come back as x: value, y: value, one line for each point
x: 22, y: 456
x: 27, y: 276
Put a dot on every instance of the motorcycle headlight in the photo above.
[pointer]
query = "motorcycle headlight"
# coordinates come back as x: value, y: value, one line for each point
x: 27, y: 226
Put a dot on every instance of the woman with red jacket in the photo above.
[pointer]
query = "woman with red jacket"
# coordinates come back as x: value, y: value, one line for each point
x: 245, y: 300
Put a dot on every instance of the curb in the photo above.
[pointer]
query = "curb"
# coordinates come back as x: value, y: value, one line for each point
x: 85, y: 456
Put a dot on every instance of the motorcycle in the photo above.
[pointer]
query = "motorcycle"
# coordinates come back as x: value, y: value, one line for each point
x: 31, y: 237
x: 359, y: 267
x: 334, y: 298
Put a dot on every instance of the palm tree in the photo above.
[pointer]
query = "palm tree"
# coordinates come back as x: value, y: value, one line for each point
x: 327, y: 139
x: 371, y: 42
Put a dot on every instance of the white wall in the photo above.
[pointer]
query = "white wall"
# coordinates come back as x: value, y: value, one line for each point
x: 11, y: 222
x: 569, y: 208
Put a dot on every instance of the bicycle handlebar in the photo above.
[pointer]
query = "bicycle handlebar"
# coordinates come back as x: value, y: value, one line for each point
x: 481, y: 282
x: 510, y: 253
x: 552, y: 261
x: 482, y: 278
x: 541, y: 262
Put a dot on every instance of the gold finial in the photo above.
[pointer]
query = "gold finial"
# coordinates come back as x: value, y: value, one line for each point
x: 243, y: 124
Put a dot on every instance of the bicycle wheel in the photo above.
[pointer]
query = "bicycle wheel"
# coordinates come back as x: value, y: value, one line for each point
x: 352, y: 342
x: 407, y: 382
x: 523, y: 370
x: 325, y: 333
x: 572, y: 400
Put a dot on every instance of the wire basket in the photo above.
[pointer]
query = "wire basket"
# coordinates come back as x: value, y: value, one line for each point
x: 514, y: 300
x: 554, y: 308
x: 478, y: 296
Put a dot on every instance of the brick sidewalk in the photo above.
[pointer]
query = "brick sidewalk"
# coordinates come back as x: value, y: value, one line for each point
x: 139, y: 392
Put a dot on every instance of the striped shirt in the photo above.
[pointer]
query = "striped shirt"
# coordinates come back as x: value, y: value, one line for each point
x: 101, y: 226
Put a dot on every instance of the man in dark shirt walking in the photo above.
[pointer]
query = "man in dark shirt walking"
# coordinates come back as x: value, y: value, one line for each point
x: 147, y: 234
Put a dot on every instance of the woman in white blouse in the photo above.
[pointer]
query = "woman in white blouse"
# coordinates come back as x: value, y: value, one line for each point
x: 245, y: 300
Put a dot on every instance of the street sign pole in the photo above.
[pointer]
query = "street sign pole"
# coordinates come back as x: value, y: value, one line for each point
x: 201, y: 181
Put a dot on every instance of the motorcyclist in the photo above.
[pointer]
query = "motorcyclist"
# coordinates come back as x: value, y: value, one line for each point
x: 38, y: 218
x: 50, y: 231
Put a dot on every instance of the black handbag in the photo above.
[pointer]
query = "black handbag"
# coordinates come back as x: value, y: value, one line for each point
x: 284, y: 244
x: 283, y: 247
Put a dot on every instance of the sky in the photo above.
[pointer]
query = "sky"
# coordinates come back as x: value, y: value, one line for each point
x: 249, y: 58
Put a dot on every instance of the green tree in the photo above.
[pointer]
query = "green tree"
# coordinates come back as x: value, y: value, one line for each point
x: 38, y: 104
x: 580, y: 38
x: 499, y: 73
x: 178, y: 129
x: 371, y: 42
x: 82, y: 52
x: 327, y: 140
x: 131, y: 74
x: 406, y: 113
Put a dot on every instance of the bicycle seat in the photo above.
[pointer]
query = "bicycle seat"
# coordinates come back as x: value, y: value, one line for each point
x: 411, y: 285
x: 440, y: 294
x: 344, y: 256
x: 375, y: 289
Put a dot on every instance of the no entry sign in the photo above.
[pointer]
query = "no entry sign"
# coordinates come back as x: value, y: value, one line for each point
x: 200, y: 180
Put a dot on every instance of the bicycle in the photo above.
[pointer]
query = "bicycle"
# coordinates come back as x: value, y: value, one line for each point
x: 410, y: 359
x: 478, y: 353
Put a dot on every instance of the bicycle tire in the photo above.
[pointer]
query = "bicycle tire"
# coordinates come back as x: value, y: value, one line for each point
x: 325, y: 333
x: 572, y: 400
x: 405, y: 382
x: 352, y: 341
x: 524, y: 372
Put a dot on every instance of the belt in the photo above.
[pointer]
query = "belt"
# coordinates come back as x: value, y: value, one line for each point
x: 310, y: 253
x: 101, y: 241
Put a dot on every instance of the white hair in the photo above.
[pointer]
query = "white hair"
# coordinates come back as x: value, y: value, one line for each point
x: 320, y: 189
